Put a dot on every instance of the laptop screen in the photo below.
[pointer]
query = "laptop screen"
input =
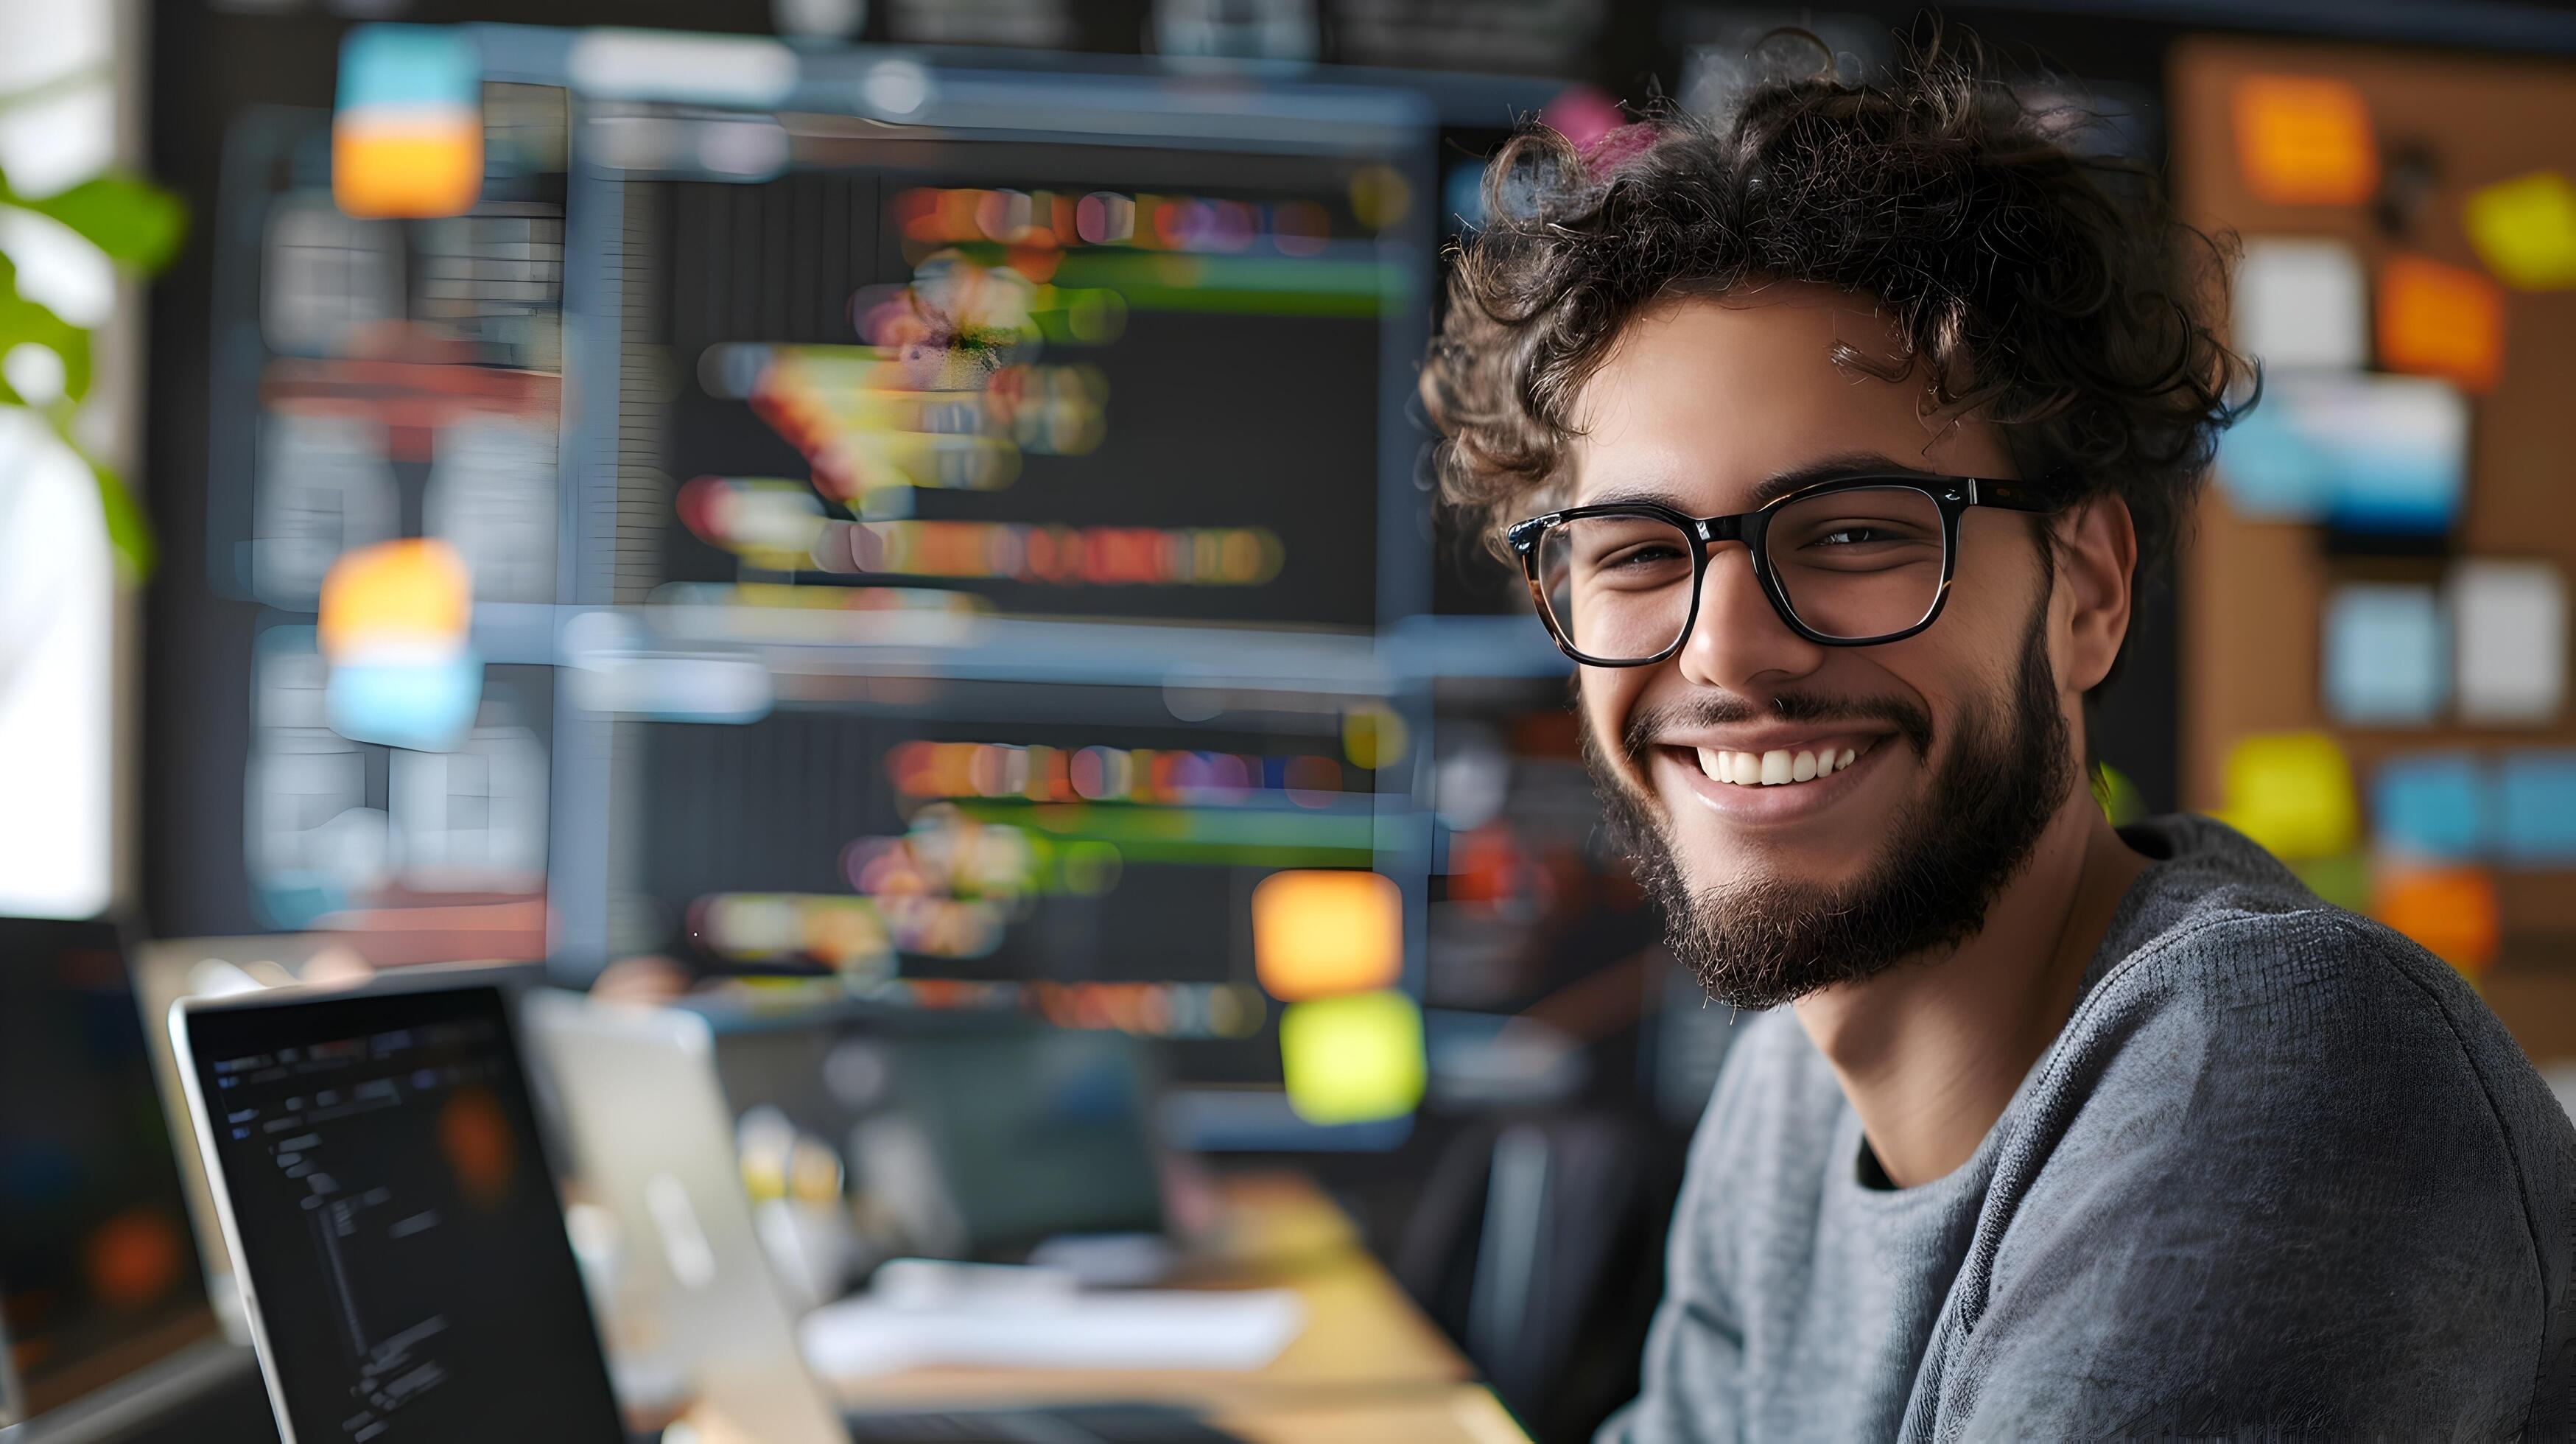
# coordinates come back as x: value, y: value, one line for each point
x: 99, y: 1273
x: 396, y: 1221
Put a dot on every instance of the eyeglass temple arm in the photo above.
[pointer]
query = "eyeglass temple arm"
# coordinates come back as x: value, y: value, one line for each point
x: 2008, y: 495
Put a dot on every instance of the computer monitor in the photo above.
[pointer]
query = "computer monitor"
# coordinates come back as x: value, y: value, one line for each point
x: 393, y: 1218
x: 99, y: 1272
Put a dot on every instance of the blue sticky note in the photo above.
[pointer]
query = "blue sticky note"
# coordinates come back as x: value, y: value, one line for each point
x: 2271, y: 469
x: 2432, y: 805
x: 2360, y: 451
x: 399, y: 67
x: 425, y: 704
x: 2387, y: 656
x: 2536, y: 808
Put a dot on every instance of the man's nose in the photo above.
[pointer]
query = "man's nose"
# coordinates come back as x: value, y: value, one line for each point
x: 1739, y: 642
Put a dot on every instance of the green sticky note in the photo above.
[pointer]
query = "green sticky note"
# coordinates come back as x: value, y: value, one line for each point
x: 2525, y: 230
x: 1352, y: 1059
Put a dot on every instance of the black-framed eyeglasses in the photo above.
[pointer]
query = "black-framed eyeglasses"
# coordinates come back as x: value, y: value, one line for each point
x: 1850, y: 562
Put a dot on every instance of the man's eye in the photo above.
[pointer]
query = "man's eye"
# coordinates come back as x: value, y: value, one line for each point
x: 1854, y: 535
x: 1648, y: 554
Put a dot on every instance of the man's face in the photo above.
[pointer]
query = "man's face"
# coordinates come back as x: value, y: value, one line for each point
x: 1958, y: 735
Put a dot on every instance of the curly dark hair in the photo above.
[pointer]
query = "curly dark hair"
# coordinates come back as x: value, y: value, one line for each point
x: 2044, y: 289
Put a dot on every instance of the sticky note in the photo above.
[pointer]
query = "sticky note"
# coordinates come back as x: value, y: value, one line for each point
x: 2509, y: 640
x: 409, y: 593
x: 2536, y: 808
x: 2365, y: 453
x: 2304, y: 140
x: 1319, y: 932
x: 2440, y: 320
x: 2292, y: 793
x: 2525, y: 230
x: 2450, y: 911
x: 2432, y: 805
x: 2302, y: 303
x: 424, y: 704
x: 2386, y: 655
x: 395, y: 623
x: 1352, y: 1059
x: 2400, y: 452
x: 2343, y: 881
x: 407, y: 132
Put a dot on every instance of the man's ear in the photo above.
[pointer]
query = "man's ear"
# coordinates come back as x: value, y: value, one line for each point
x: 2097, y: 561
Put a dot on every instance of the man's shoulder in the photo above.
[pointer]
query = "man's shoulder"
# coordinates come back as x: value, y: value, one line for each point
x: 2253, y: 1036
x: 2232, y: 962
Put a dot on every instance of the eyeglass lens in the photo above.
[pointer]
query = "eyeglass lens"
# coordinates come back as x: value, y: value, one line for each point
x: 1852, y: 564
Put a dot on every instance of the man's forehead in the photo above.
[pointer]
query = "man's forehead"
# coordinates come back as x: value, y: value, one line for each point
x: 1659, y: 487
x: 1718, y: 405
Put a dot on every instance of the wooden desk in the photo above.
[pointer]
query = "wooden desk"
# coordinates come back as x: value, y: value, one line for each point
x: 1367, y: 1366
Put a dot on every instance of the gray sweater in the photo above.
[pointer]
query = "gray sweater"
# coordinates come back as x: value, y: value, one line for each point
x: 2282, y: 1174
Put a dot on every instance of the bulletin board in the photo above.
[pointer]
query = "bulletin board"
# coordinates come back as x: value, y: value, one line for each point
x: 2255, y: 592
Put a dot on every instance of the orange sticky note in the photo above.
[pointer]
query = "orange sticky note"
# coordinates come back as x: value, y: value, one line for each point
x: 2451, y: 911
x: 2304, y: 140
x: 2440, y: 320
x: 1317, y: 933
x: 412, y: 595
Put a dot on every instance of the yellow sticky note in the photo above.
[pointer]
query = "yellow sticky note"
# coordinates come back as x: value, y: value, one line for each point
x: 1316, y: 933
x: 411, y: 594
x: 2292, y: 792
x: 2304, y: 140
x: 2438, y: 320
x: 2525, y: 229
x: 1353, y: 1059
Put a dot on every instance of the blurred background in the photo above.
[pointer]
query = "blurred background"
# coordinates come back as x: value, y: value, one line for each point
x: 899, y: 526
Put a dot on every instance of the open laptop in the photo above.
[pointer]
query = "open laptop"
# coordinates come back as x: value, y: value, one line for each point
x: 392, y: 1218
x: 402, y: 1251
x: 652, y: 1143
x: 651, y: 1132
x: 104, y: 1316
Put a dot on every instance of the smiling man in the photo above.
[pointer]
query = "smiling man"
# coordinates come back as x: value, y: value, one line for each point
x: 1833, y: 441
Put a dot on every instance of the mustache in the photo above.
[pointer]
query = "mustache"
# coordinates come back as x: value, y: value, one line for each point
x: 1910, y: 721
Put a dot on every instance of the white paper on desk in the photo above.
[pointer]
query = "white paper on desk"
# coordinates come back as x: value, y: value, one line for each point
x: 1142, y: 1329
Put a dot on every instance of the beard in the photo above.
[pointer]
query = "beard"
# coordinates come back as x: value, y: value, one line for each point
x: 1759, y: 942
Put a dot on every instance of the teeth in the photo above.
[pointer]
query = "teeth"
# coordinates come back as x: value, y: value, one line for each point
x: 1772, y: 769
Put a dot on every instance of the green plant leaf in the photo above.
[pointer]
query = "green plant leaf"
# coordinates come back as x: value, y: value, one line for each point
x: 23, y: 321
x: 136, y: 222
x: 129, y: 531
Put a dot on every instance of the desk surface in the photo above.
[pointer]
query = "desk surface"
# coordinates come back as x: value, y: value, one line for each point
x: 1367, y: 1365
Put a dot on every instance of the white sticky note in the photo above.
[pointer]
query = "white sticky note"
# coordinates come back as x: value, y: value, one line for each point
x: 2510, y: 640
x: 2384, y: 655
x: 2302, y: 303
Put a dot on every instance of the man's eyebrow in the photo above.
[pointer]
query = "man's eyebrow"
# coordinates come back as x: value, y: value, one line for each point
x: 1771, y: 488
x: 1831, y: 468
